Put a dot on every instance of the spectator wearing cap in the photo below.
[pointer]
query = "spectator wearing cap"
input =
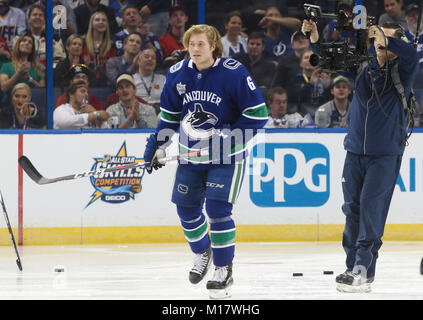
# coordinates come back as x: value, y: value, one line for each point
x: 393, y: 13
x: 74, y: 45
x: 278, y: 33
x: 333, y: 114
x: 233, y: 41
x: 122, y: 64
x: 84, y: 12
x: 129, y: 112
x: 288, y: 67
x: 80, y: 73
x: 76, y: 112
x: 261, y: 70
x: 277, y: 100
x: 172, y: 40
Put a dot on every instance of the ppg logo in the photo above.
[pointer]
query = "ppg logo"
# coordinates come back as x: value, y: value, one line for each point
x: 289, y: 175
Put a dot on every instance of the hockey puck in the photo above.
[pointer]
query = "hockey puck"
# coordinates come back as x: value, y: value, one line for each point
x: 327, y: 272
x: 421, y: 267
x: 297, y: 274
x: 59, y: 269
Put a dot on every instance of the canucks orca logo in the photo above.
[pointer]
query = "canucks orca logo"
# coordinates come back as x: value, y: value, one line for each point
x: 199, y: 124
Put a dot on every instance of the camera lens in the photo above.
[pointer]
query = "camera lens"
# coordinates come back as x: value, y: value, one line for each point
x: 314, y: 60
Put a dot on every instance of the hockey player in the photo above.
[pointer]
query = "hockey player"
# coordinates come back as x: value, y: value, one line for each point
x: 215, y: 103
x: 375, y: 144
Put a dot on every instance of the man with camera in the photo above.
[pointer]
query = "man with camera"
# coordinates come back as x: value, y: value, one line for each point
x: 375, y: 141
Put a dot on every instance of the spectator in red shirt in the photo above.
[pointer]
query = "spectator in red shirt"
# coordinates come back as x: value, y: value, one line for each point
x: 172, y: 40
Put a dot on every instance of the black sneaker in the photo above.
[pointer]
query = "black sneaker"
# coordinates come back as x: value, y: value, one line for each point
x: 220, y: 285
x: 353, y: 282
x: 202, y: 263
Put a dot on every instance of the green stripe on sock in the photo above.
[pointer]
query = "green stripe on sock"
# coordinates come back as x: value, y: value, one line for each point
x: 222, y: 238
x: 196, y: 234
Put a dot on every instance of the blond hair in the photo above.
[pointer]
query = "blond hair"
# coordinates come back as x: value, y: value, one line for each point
x: 21, y: 85
x: 213, y: 37
x: 106, y: 44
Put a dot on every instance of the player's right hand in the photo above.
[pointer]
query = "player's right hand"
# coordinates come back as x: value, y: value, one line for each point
x: 310, y: 26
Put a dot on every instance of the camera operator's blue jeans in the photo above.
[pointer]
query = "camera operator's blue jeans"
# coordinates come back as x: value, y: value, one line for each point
x: 368, y: 184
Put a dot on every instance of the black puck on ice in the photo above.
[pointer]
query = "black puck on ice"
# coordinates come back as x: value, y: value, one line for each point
x: 327, y: 272
x: 421, y: 267
x: 297, y: 274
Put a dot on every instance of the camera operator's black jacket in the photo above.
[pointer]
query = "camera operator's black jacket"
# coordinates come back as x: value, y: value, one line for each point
x: 378, y: 127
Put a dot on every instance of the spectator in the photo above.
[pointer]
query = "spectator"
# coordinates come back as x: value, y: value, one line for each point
x: 309, y: 89
x: 172, y: 40
x: 37, y: 23
x: 129, y: 112
x: 84, y: 12
x: 21, y: 114
x: 77, y: 113
x: 155, y: 13
x: 393, y: 13
x: 148, y: 83
x: 71, y: 25
x: 411, y: 16
x: 150, y: 40
x: 333, y: 114
x: 278, y: 33
x: 261, y: 70
x: 233, y: 41
x: 80, y: 73
x: 131, y: 18
x: 23, y: 67
x: 277, y: 100
x: 289, y: 67
x: 74, y: 45
x: 331, y: 33
x: 123, y: 64
x: 12, y: 22
x: 5, y: 53
x: 98, y: 47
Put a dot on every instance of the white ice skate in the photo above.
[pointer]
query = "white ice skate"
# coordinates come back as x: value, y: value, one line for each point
x: 220, y: 285
x: 202, y: 263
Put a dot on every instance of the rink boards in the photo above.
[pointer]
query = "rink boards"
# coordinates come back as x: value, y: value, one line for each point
x: 291, y: 190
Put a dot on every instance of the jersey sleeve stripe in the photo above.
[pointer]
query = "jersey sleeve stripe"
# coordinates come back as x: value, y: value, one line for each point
x: 169, y: 117
x: 258, y: 112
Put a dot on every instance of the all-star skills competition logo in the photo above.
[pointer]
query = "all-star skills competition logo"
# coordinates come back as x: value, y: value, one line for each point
x: 118, y: 186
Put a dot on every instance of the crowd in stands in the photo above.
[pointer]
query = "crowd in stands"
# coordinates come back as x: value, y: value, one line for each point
x: 111, y: 58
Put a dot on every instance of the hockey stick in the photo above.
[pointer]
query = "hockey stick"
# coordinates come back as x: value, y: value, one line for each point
x: 18, y: 260
x: 33, y: 173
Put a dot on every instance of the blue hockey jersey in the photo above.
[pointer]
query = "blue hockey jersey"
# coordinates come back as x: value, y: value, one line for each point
x: 206, y: 106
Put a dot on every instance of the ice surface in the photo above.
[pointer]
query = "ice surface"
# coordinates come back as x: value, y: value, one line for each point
x: 262, y: 271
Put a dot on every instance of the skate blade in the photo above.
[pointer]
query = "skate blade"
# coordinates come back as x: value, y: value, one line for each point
x: 220, y: 293
x: 364, y: 288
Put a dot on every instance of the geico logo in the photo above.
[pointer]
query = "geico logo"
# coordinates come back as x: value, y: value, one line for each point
x: 214, y: 185
x: 291, y: 175
x: 115, y: 198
